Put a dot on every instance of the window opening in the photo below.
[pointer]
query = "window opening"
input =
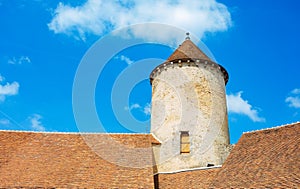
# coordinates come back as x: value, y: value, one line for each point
x: 184, y: 142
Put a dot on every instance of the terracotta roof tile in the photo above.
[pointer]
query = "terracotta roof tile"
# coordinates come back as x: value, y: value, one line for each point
x: 188, y: 53
x: 75, y: 161
x: 187, y: 179
x: 263, y: 159
x: 188, y: 50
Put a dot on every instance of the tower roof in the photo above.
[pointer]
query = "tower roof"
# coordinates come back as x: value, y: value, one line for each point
x: 188, y: 50
x: 190, y: 54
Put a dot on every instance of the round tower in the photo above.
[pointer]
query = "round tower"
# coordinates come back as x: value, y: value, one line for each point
x: 189, y: 112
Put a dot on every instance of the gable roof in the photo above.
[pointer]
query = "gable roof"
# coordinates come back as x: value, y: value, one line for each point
x: 31, y: 160
x: 263, y: 159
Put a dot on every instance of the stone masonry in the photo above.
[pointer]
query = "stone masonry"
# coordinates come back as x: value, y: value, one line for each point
x: 188, y: 95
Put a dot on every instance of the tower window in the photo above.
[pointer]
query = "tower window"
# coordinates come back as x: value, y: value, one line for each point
x: 184, y: 142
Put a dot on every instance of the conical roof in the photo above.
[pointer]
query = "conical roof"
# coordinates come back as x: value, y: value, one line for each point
x: 188, y: 50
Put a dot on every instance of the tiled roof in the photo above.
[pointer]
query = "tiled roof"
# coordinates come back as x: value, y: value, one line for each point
x: 29, y: 159
x: 263, y: 159
x: 187, y: 179
x: 188, y: 50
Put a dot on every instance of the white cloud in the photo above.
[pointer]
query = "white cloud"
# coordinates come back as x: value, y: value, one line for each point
x: 99, y: 17
x: 133, y: 106
x: 1, y: 78
x: 296, y: 91
x: 19, y: 60
x: 8, y: 89
x: 145, y: 109
x: 126, y: 59
x: 4, y: 122
x: 293, y: 100
x: 36, y: 123
x: 236, y: 104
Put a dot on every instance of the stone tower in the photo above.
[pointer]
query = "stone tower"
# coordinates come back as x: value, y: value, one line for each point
x: 189, y: 113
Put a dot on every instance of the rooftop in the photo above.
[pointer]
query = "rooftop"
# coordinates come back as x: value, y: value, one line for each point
x: 263, y: 159
x: 188, y: 50
x: 267, y: 158
x: 31, y: 160
x: 191, y: 55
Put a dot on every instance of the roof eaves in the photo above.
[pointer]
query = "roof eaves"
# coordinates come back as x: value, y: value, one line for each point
x: 193, y: 169
x: 71, y: 133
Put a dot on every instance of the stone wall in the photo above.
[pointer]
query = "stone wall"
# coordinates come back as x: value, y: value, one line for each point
x: 189, y: 98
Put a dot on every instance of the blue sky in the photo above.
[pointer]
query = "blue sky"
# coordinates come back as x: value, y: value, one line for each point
x: 43, y: 43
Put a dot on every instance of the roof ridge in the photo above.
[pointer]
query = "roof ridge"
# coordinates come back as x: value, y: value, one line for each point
x: 272, y: 128
x: 72, y: 133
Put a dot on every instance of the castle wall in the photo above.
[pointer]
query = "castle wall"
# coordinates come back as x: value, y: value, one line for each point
x: 189, y: 98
